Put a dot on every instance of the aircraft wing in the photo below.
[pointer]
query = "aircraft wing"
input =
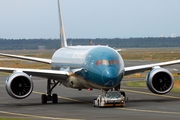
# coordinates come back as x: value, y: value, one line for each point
x: 142, y: 68
x: 54, y: 74
x: 42, y: 60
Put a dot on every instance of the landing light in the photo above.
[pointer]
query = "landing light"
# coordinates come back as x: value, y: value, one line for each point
x: 89, y: 89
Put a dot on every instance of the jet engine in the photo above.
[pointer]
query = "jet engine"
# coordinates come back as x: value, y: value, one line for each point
x: 19, y: 85
x: 160, y: 81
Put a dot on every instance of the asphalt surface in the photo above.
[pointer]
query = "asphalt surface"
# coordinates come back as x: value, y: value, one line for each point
x: 74, y: 104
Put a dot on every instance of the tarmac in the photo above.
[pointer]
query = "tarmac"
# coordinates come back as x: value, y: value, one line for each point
x: 74, y: 104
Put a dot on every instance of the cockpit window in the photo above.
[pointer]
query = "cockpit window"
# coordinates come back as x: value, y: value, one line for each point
x: 107, y: 62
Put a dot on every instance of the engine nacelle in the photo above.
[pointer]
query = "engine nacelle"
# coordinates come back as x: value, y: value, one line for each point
x: 160, y: 81
x: 19, y: 85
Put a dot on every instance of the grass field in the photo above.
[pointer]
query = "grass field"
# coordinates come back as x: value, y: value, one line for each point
x: 155, y: 54
x: 1, y: 118
x: 17, y: 63
x: 176, y: 87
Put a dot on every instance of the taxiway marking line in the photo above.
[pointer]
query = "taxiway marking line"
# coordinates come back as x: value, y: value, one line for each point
x: 128, y: 109
x: 65, y: 98
x: 36, y: 116
x: 149, y: 111
x: 44, y: 117
x: 146, y: 93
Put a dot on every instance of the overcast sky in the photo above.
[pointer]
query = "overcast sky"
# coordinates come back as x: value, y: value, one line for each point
x: 89, y: 18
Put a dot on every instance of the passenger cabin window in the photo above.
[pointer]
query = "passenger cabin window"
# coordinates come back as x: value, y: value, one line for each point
x: 107, y: 62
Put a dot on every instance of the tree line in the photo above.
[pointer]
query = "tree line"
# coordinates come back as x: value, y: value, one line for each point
x: 150, y: 42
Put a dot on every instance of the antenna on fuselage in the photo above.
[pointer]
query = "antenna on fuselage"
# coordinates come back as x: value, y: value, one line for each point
x: 62, y: 32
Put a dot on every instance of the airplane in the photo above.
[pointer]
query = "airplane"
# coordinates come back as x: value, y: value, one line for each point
x: 83, y: 67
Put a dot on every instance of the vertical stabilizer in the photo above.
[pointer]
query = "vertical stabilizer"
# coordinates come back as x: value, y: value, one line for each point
x: 62, y: 32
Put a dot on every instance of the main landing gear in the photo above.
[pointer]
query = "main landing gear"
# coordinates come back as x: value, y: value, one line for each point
x: 51, y: 84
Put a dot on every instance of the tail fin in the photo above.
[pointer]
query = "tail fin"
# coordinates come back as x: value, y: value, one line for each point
x: 62, y: 32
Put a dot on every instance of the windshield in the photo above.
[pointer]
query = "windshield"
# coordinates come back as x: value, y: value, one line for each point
x: 113, y: 95
x: 107, y: 62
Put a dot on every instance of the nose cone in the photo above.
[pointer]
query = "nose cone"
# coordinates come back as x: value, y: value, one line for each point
x: 110, y: 77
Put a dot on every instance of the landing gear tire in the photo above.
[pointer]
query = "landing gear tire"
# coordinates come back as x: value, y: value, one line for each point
x: 51, y: 84
x: 43, y: 98
x: 54, y: 98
